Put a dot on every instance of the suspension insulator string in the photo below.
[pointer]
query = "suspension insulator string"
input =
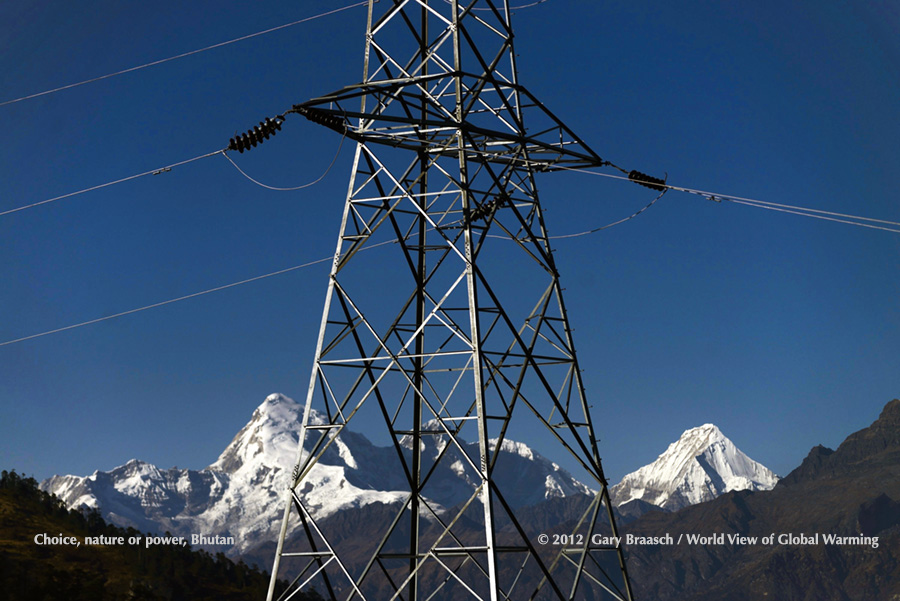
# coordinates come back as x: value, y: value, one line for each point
x: 648, y: 181
x: 329, y: 120
x: 259, y: 134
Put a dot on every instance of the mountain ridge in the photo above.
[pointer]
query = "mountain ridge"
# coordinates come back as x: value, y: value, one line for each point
x: 882, y: 434
x: 241, y: 493
x: 852, y: 492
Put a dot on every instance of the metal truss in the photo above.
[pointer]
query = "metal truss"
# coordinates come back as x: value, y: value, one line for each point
x: 454, y: 330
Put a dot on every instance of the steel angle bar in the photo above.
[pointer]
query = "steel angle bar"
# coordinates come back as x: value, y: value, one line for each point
x: 447, y: 530
x: 446, y: 580
x: 591, y: 509
x: 591, y: 468
x: 545, y: 260
x: 458, y: 579
x: 587, y: 544
x: 425, y: 215
x: 524, y: 537
x: 517, y: 389
x: 399, y: 356
x: 381, y: 199
x: 540, y: 317
x: 376, y: 556
x: 486, y: 78
x: 432, y: 314
x: 538, y: 371
x: 308, y: 517
x: 382, y: 344
x: 355, y: 193
x: 501, y: 34
x: 308, y: 580
x: 375, y: 27
x: 617, y: 593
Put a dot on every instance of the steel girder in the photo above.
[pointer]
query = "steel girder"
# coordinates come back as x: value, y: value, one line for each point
x: 452, y: 329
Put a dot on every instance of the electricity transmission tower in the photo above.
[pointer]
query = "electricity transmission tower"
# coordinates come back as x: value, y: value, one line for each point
x: 452, y: 335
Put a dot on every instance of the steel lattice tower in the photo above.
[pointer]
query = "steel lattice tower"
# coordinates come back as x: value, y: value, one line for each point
x: 461, y: 336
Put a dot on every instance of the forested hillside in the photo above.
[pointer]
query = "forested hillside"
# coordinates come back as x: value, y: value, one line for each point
x: 109, y: 572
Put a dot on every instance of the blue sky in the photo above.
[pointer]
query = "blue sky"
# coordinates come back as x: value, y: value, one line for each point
x: 782, y: 330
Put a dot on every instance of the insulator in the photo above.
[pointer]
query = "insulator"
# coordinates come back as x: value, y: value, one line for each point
x: 487, y: 209
x: 259, y: 134
x: 319, y: 116
x: 654, y: 183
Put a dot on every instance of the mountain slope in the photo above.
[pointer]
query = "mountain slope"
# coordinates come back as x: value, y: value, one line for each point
x: 107, y: 572
x: 851, y: 492
x: 701, y: 465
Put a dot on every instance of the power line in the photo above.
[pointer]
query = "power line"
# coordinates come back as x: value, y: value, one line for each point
x: 614, y: 223
x: 262, y: 277
x: 250, y: 139
x: 167, y: 302
x: 762, y: 204
x: 775, y: 204
x: 158, y: 171
x: 801, y: 212
x: 183, y: 55
x: 316, y: 181
x: 166, y: 169
x: 831, y: 216
x: 186, y: 297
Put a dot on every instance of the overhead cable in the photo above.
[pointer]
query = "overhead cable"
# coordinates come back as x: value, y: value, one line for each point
x: 804, y: 213
x: 312, y: 183
x: 166, y: 302
x: 257, y: 135
x: 609, y: 225
x: 182, y: 298
x: 262, y: 277
x: 185, y: 54
x: 158, y: 171
x: 633, y: 176
x: 761, y: 204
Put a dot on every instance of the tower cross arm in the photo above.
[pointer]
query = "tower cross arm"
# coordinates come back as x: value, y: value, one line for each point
x: 414, y: 113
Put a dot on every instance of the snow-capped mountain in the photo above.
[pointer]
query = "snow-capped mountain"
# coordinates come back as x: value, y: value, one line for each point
x: 701, y: 465
x: 241, y: 494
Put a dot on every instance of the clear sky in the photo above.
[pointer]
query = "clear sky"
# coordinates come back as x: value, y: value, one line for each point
x: 782, y: 330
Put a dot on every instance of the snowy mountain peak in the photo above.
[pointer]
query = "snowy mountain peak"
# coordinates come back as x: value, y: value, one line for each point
x: 277, y: 407
x: 700, y: 437
x: 701, y: 465
x: 269, y: 436
x: 710, y: 430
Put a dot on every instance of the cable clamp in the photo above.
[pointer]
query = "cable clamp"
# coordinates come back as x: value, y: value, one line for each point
x: 163, y: 170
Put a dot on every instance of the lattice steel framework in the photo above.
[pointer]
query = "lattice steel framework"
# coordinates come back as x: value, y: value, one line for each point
x: 454, y: 330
